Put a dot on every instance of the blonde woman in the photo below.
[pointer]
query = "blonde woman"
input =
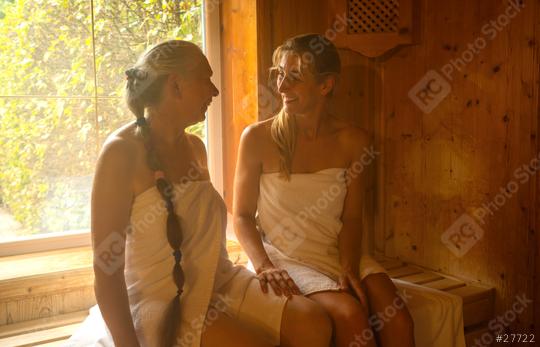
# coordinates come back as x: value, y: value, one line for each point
x: 162, y: 275
x: 298, y: 184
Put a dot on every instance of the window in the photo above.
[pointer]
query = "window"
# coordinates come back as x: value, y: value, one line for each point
x: 62, y: 66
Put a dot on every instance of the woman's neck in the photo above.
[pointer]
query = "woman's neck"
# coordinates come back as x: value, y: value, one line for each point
x: 310, y: 124
x: 165, y: 130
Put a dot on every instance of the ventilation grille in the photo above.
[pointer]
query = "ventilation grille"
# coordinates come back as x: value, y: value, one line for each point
x: 373, y: 16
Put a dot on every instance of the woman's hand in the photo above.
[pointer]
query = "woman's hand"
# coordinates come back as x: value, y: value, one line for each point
x: 279, y: 280
x: 350, y: 282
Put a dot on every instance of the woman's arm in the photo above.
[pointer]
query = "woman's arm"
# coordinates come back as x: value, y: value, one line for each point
x: 246, y: 194
x: 350, y: 236
x: 111, y: 203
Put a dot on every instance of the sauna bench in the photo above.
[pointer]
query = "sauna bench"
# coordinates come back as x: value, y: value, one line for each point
x: 45, y: 296
x: 478, y: 300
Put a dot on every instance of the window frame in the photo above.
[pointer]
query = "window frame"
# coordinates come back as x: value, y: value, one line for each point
x: 214, y: 143
x: 214, y: 124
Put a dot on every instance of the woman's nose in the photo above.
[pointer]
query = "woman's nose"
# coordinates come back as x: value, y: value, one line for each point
x: 283, y: 84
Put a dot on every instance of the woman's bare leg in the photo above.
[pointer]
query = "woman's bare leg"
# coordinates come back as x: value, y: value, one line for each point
x: 305, y: 323
x: 351, y: 323
x: 395, y: 325
x: 228, y: 332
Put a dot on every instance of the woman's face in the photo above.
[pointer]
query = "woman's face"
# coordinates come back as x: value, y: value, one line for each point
x: 195, y: 92
x: 299, y: 90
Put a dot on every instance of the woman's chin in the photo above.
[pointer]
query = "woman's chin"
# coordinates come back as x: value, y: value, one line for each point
x: 195, y: 120
x: 199, y: 117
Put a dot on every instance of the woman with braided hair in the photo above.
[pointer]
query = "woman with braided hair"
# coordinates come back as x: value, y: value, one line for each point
x: 162, y: 273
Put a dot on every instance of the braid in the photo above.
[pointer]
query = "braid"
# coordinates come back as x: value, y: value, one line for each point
x: 137, y: 102
x: 174, y: 237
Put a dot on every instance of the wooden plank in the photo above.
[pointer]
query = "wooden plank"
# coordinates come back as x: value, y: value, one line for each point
x: 59, y: 343
x: 473, y: 293
x: 392, y: 264
x: 44, y: 336
x: 21, y: 287
x: 35, y: 296
x: 380, y: 258
x: 41, y: 263
x: 48, y: 305
x: 534, y: 210
x: 421, y: 278
x: 404, y: 271
x: 445, y: 284
x: 477, y: 312
x: 476, y: 335
x: 239, y: 75
x: 42, y: 324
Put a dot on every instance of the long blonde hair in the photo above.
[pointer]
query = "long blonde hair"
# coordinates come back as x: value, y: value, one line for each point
x: 144, y: 87
x: 320, y: 56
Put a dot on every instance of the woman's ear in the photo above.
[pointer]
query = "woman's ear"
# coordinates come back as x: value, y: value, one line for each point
x: 175, y: 84
x: 328, y: 85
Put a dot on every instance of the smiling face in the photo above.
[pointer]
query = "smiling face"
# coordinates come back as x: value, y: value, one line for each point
x: 300, y: 91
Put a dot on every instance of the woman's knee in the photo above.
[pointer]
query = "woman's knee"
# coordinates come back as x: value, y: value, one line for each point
x: 224, y: 331
x: 309, y: 317
x: 350, y: 312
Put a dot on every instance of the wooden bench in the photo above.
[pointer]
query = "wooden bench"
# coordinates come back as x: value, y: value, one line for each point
x: 478, y: 301
x: 44, y: 297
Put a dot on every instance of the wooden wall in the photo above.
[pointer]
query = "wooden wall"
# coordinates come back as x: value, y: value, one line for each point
x: 435, y: 167
x: 239, y: 76
x: 464, y: 153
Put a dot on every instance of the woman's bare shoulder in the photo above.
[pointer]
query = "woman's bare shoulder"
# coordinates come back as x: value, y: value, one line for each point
x: 198, y: 146
x: 120, y: 147
x: 126, y: 132
x: 258, y: 133
x: 196, y: 141
x: 260, y: 127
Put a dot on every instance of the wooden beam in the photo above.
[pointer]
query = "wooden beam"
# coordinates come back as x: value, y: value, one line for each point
x: 239, y: 80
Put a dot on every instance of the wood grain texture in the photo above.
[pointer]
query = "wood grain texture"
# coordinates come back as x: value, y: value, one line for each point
x: 460, y: 157
x: 372, y: 42
x: 49, y: 284
x: 463, y: 155
x: 534, y: 213
x: 478, y: 300
x: 239, y: 76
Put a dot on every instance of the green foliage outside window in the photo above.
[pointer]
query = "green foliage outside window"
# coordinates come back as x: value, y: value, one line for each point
x: 61, y: 87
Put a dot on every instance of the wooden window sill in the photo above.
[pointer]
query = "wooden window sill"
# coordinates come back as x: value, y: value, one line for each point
x: 50, y: 283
